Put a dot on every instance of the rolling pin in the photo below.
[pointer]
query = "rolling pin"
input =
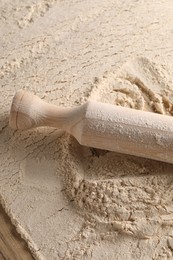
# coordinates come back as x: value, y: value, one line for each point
x: 99, y: 125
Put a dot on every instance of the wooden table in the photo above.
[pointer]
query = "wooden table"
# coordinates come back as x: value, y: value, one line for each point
x: 12, y: 246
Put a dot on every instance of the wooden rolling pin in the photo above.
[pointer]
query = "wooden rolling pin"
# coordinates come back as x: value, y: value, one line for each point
x: 100, y: 125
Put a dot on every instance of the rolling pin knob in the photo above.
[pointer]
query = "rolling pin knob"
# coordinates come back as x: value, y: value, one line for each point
x: 25, y: 110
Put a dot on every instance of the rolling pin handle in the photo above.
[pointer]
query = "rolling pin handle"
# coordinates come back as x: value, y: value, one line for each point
x: 28, y: 111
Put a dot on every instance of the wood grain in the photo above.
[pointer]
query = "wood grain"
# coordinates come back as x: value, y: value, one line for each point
x: 12, y: 246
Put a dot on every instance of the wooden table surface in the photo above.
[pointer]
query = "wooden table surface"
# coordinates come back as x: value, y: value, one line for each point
x: 12, y: 246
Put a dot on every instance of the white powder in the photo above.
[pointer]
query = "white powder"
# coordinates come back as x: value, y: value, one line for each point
x: 69, y: 201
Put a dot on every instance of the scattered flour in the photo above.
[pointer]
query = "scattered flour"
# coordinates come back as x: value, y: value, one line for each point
x: 68, y: 201
x: 125, y: 194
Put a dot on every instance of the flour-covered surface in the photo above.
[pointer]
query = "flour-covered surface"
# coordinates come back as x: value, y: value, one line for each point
x: 69, y: 201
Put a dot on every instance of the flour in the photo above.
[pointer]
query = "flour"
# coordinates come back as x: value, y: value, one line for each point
x: 132, y: 195
x: 66, y: 200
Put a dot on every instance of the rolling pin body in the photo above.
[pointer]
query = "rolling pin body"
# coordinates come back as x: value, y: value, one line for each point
x: 100, y: 125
